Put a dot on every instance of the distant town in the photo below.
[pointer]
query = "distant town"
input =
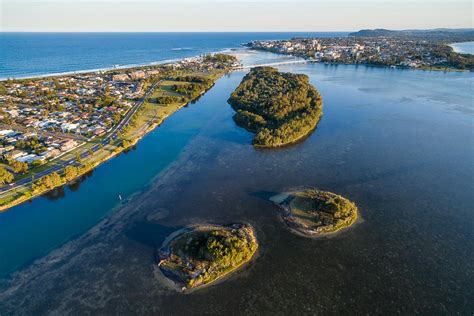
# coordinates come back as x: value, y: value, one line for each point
x: 421, y: 49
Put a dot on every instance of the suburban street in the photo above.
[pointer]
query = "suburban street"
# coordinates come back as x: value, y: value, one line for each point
x: 112, y: 135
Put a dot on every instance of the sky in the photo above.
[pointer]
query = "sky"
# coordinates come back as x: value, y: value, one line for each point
x: 230, y: 15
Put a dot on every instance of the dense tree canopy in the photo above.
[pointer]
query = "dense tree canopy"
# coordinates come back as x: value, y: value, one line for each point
x: 5, y: 176
x: 18, y: 166
x: 202, y: 256
x: 219, y: 58
x: 280, y: 107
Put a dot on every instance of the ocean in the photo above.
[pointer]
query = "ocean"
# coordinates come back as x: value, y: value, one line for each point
x: 35, y: 54
x: 464, y: 47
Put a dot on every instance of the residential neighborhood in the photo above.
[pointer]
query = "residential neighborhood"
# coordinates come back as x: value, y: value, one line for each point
x: 395, y: 51
x: 55, y: 129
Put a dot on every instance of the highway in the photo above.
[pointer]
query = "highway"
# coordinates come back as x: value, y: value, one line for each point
x: 113, y: 134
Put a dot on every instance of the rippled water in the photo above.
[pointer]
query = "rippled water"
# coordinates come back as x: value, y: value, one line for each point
x: 33, y: 54
x: 399, y: 143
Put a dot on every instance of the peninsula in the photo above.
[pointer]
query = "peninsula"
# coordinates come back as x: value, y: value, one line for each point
x: 55, y: 129
x: 420, y: 49
x: 311, y: 212
x: 197, y: 256
x: 281, y: 108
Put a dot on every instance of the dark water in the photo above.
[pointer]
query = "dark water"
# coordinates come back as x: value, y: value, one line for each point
x: 398, y: 143
x: 33, y: 54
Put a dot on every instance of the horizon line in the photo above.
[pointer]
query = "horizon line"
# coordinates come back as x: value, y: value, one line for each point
x: 256, y: 31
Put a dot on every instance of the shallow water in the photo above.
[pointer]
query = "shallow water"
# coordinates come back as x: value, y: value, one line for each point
x: 465, y: 47
x: 398, y: 143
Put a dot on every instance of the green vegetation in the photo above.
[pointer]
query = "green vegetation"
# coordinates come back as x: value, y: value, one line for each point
x: 3, y: 90
x: 18, y: 166
x: 313, y: 212
x: 207, y: 253
x: 5, y: 176
x: 281, y: 108
x: 47, y: 182
x: 222, y: 59
x: 164, y: 101
x: 71, y: 172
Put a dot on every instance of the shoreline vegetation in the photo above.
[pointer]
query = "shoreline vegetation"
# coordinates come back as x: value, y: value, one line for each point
x: 198, y: 256
x: 280, y: 108
x: 174, y: 88
x: 314, y: 213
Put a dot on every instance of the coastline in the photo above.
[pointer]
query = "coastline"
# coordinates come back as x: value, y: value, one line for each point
x: 118, y: 150
x: 296, y: 140
x: 281, y: 201
x: 110, y: 68
x: 458, y: 47
x: 165, y: 247
x: 423, y: 68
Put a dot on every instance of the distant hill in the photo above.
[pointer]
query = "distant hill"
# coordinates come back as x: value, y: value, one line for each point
x: 448, y: 35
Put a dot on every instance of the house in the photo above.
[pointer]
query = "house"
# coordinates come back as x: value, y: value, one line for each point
x: 120, y: 77
x: 69, y: 127
x: 67, y: 144
x: 99, y: 131
x: 17, y: 154
x: 28, y: 158
x: 50, y: 153
x: 137, y: 75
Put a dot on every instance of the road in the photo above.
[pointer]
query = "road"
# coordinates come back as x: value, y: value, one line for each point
x: 43, y: 133
x: 112, y: 135
x: 289, y: 62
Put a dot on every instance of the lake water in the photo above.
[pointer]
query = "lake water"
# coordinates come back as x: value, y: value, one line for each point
x: 465, y: 47
x: 399, y: 143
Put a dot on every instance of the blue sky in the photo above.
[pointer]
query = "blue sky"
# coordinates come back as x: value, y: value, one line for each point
x: 231, y: 15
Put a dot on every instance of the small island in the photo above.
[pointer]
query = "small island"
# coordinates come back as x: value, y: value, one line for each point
x: 281, y: 108
x: 197, y: 256
x: 312, y: 212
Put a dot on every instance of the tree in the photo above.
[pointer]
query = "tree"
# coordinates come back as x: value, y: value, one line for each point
x: 279, y: 107
x: 36, y: 163
x: 18, y: 166
x: 116, y: 117
x: 70, y: 173
x: 125, y: 143
x: 3, y: 90
x: 78, y: 157
x: 47, y: 182
x: 5, y: 176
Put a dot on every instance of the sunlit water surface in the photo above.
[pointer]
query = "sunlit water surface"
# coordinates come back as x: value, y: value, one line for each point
x: 399, y: 143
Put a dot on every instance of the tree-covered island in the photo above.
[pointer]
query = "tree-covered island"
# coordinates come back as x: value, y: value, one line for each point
x: 311, y: 212
x: 197, y: 256
x: 281, y: 108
